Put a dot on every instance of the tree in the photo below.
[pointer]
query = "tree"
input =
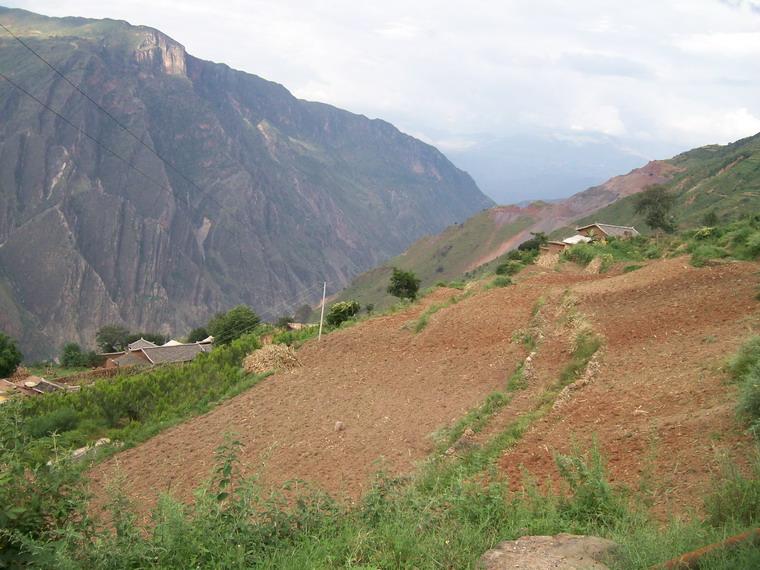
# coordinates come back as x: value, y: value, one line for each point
x: 197, y: 334
x: 226, y: 327
x: 534, y: 243
x: 72, y: 356
x: 112, y: 338
x: 404, y: 284
x: 369, y: 307
x: 10, y: 356
x: 656, y: 204
x: 302, y: 313
x: 341, y: 312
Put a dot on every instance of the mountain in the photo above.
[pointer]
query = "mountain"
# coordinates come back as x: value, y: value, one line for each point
x: 719, y: 179
x: 542, y: 165
x: 271, y: 194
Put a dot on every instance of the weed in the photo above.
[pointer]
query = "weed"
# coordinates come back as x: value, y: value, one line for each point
x: 735, y: 498
x: 500, y: 281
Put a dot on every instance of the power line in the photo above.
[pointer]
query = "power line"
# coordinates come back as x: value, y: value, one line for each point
x: 91, y: 100
x: 82, y: 131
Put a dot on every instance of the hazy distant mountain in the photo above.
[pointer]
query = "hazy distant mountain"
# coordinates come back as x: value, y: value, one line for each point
x: 285, y: 192
x: 548, y: 166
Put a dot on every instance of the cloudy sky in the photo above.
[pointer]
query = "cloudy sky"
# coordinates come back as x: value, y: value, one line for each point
x: 678, y: 73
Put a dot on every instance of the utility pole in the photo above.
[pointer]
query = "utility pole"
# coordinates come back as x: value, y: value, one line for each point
x: 322, y: 316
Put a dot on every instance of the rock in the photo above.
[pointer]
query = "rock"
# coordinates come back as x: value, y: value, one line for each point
x: 469, y: 432
x: 339, y: 426
x: 563, y: 551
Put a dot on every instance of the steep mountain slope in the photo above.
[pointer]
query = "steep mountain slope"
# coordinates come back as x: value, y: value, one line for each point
x: 492, y: 233
x: 284, y: 192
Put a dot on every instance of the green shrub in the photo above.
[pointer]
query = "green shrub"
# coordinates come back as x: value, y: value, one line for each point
x: 340, y: 312
x: 229, y: 326
x: 501, y: 281
x: 745, y: 359
x: 582, y: 253
x: 701, y: 254
x: 607, y: 261
x: 59, y: 420
x: 736, y: 497
x: 508, y: 268
x: 403, y: 284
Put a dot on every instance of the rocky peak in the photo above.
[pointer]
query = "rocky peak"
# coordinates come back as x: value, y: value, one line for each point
x: 159, y: 50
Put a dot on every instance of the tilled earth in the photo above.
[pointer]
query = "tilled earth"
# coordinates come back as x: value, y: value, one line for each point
x: 660, y: 405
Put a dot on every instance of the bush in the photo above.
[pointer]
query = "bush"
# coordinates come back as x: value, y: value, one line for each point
x: 112, y: 338
x: 501, y: 281
x: 701, y: 254
x: 10, y: 356
x: 341, y: 312
x: 508, y: 268
x: 58, y: 421
x: 582, y: 253
x: 745, y: 369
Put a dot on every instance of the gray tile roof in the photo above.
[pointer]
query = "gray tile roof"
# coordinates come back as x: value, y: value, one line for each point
x: 612, y: 230
x: 141, y: 343
x: 178, y: 353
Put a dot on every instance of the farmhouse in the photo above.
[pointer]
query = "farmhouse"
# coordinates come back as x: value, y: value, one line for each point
x: 145, y: 353
x: 603, y: 231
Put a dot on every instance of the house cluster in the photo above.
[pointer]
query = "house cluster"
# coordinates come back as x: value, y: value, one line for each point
x: 589, y: 233
x: 145, y: 353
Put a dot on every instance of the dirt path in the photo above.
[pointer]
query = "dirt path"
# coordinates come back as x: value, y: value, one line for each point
x: 660, y: 405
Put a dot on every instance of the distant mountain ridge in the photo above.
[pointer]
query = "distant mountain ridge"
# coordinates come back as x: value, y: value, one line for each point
x: 724, y: 180
x: 285, y: 193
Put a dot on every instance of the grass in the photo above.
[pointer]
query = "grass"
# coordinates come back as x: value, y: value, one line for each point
x: 422, y: 321
x: 745, y: 370
x: 517, y: 380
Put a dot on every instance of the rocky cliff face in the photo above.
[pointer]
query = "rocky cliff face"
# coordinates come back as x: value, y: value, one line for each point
x: 284, y: 192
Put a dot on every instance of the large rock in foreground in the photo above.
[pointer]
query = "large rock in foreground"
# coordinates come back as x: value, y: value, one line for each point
x: 563, y: 551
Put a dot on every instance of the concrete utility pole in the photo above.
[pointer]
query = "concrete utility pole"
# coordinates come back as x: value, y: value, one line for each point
x: 322, y: 316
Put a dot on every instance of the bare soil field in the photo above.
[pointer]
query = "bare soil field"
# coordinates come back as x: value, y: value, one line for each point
x: 660, y: 406
x: 660, y: 401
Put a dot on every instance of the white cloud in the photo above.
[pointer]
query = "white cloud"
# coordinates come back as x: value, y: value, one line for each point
x: 730, y: 44
x: 490, y: 68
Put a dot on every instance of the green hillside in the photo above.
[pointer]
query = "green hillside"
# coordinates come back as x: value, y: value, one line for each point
x: 720, y: 179
x: 444, y: 257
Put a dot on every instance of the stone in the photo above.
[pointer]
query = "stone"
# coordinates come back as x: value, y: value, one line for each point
x: 560, y: 552
x: 339, y: 426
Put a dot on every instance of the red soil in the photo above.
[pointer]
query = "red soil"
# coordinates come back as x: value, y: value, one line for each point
x: 659, y: 394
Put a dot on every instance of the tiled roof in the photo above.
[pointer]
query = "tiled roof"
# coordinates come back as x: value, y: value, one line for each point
x: 132, y: 358
x: 141, y: 343
x: 612, y: 230
x: 167, y: 354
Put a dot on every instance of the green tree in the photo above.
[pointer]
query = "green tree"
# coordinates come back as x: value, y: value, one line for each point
x: 369, y: 307
x: 284, y: 321
x: 341, y: 312
x: 534, y: 243
x: 197, y: 334
x: 656, y: 204
x: 404, y: 284
x: 226, y: 327
x: 10, y: 356
x: 112, y: 338
x: 72, y: 356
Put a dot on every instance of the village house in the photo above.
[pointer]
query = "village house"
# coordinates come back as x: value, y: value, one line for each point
x: 597, y: 231
x: 145, y: 353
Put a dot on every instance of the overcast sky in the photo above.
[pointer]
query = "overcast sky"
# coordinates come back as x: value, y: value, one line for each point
x: 682, y: 72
